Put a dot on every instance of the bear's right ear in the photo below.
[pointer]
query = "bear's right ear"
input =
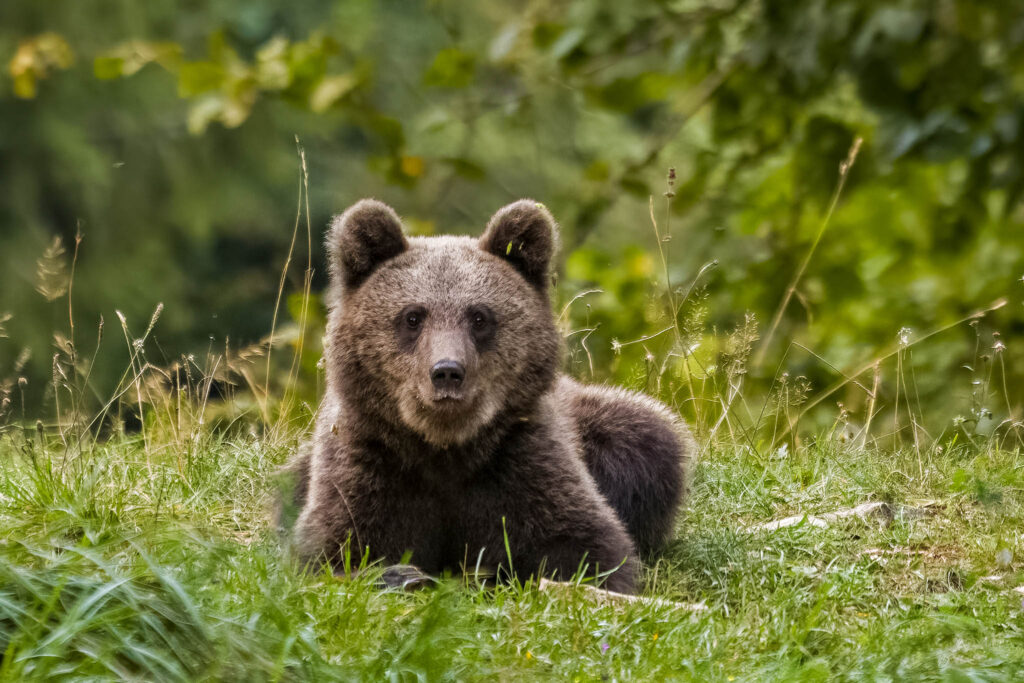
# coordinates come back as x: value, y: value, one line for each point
x: 361, y: 239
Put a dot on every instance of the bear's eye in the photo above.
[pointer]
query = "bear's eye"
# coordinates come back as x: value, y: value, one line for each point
x: 409, y: 325
x: 482, y: 326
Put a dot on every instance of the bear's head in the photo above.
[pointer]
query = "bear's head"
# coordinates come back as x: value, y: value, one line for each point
x: 442, y: 337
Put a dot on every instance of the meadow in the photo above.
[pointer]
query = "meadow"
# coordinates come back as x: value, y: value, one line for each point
x: 156, y: 559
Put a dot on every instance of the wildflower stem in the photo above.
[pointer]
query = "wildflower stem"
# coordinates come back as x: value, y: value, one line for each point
x: 844, y: 170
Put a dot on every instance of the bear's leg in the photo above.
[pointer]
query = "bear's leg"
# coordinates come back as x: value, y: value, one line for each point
x: 562, y: 561
x: 596, y: 543
x: 544, y: 517
x: 638, y: 453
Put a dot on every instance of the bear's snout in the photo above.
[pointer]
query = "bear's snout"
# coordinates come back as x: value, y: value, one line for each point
x: 447, y: 375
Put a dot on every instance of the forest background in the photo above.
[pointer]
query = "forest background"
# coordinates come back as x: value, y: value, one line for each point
x: 847, y: 180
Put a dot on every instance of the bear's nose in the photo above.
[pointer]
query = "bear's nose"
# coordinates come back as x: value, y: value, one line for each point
x: 447, y: 374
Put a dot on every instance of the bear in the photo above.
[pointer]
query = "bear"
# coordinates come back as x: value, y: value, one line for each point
x: 447, y: 433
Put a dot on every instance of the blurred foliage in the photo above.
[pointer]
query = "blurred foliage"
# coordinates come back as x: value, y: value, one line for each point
x: 165, y: 135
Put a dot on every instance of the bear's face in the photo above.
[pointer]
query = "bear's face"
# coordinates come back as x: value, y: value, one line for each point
x: 443, y: 335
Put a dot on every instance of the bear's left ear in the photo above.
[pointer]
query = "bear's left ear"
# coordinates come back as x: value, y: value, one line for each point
x: 525, y: 235
x: 361, y: 239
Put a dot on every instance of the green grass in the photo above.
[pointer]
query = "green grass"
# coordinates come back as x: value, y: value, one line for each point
x: 163, y: 565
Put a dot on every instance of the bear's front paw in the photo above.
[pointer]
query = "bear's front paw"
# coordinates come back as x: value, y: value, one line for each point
x: 404, y: 577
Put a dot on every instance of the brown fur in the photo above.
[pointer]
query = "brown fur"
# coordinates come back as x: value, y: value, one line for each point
x: 566, y: 474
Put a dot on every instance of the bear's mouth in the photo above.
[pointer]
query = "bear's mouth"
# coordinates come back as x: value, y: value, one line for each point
x: 444, y: 417
x: 447, y: 399
x: 447, y: 403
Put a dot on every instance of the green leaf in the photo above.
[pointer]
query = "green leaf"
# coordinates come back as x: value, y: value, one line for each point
x: 196, y: 78
x: 35, y: 58
x: 130, y: 57
x: 452, y: 68
x: 388, y: 129
x: 330, y: 90
x: 272, y: 68
x: 629, y: 94
x: 311, y: 308
x: 598, y: 171
x: 466, y: 168
x: 503, y: 43
x: 636, y: 186
x: 108, y: 68
x: 567, y: 42
x: 545, y: 33
x: 203, y: 112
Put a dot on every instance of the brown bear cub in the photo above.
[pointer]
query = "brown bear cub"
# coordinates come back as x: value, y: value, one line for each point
x: 447, y: 431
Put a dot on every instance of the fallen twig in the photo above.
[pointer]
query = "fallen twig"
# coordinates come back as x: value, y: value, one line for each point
x: 873, y: 510
x: 611, y: 597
